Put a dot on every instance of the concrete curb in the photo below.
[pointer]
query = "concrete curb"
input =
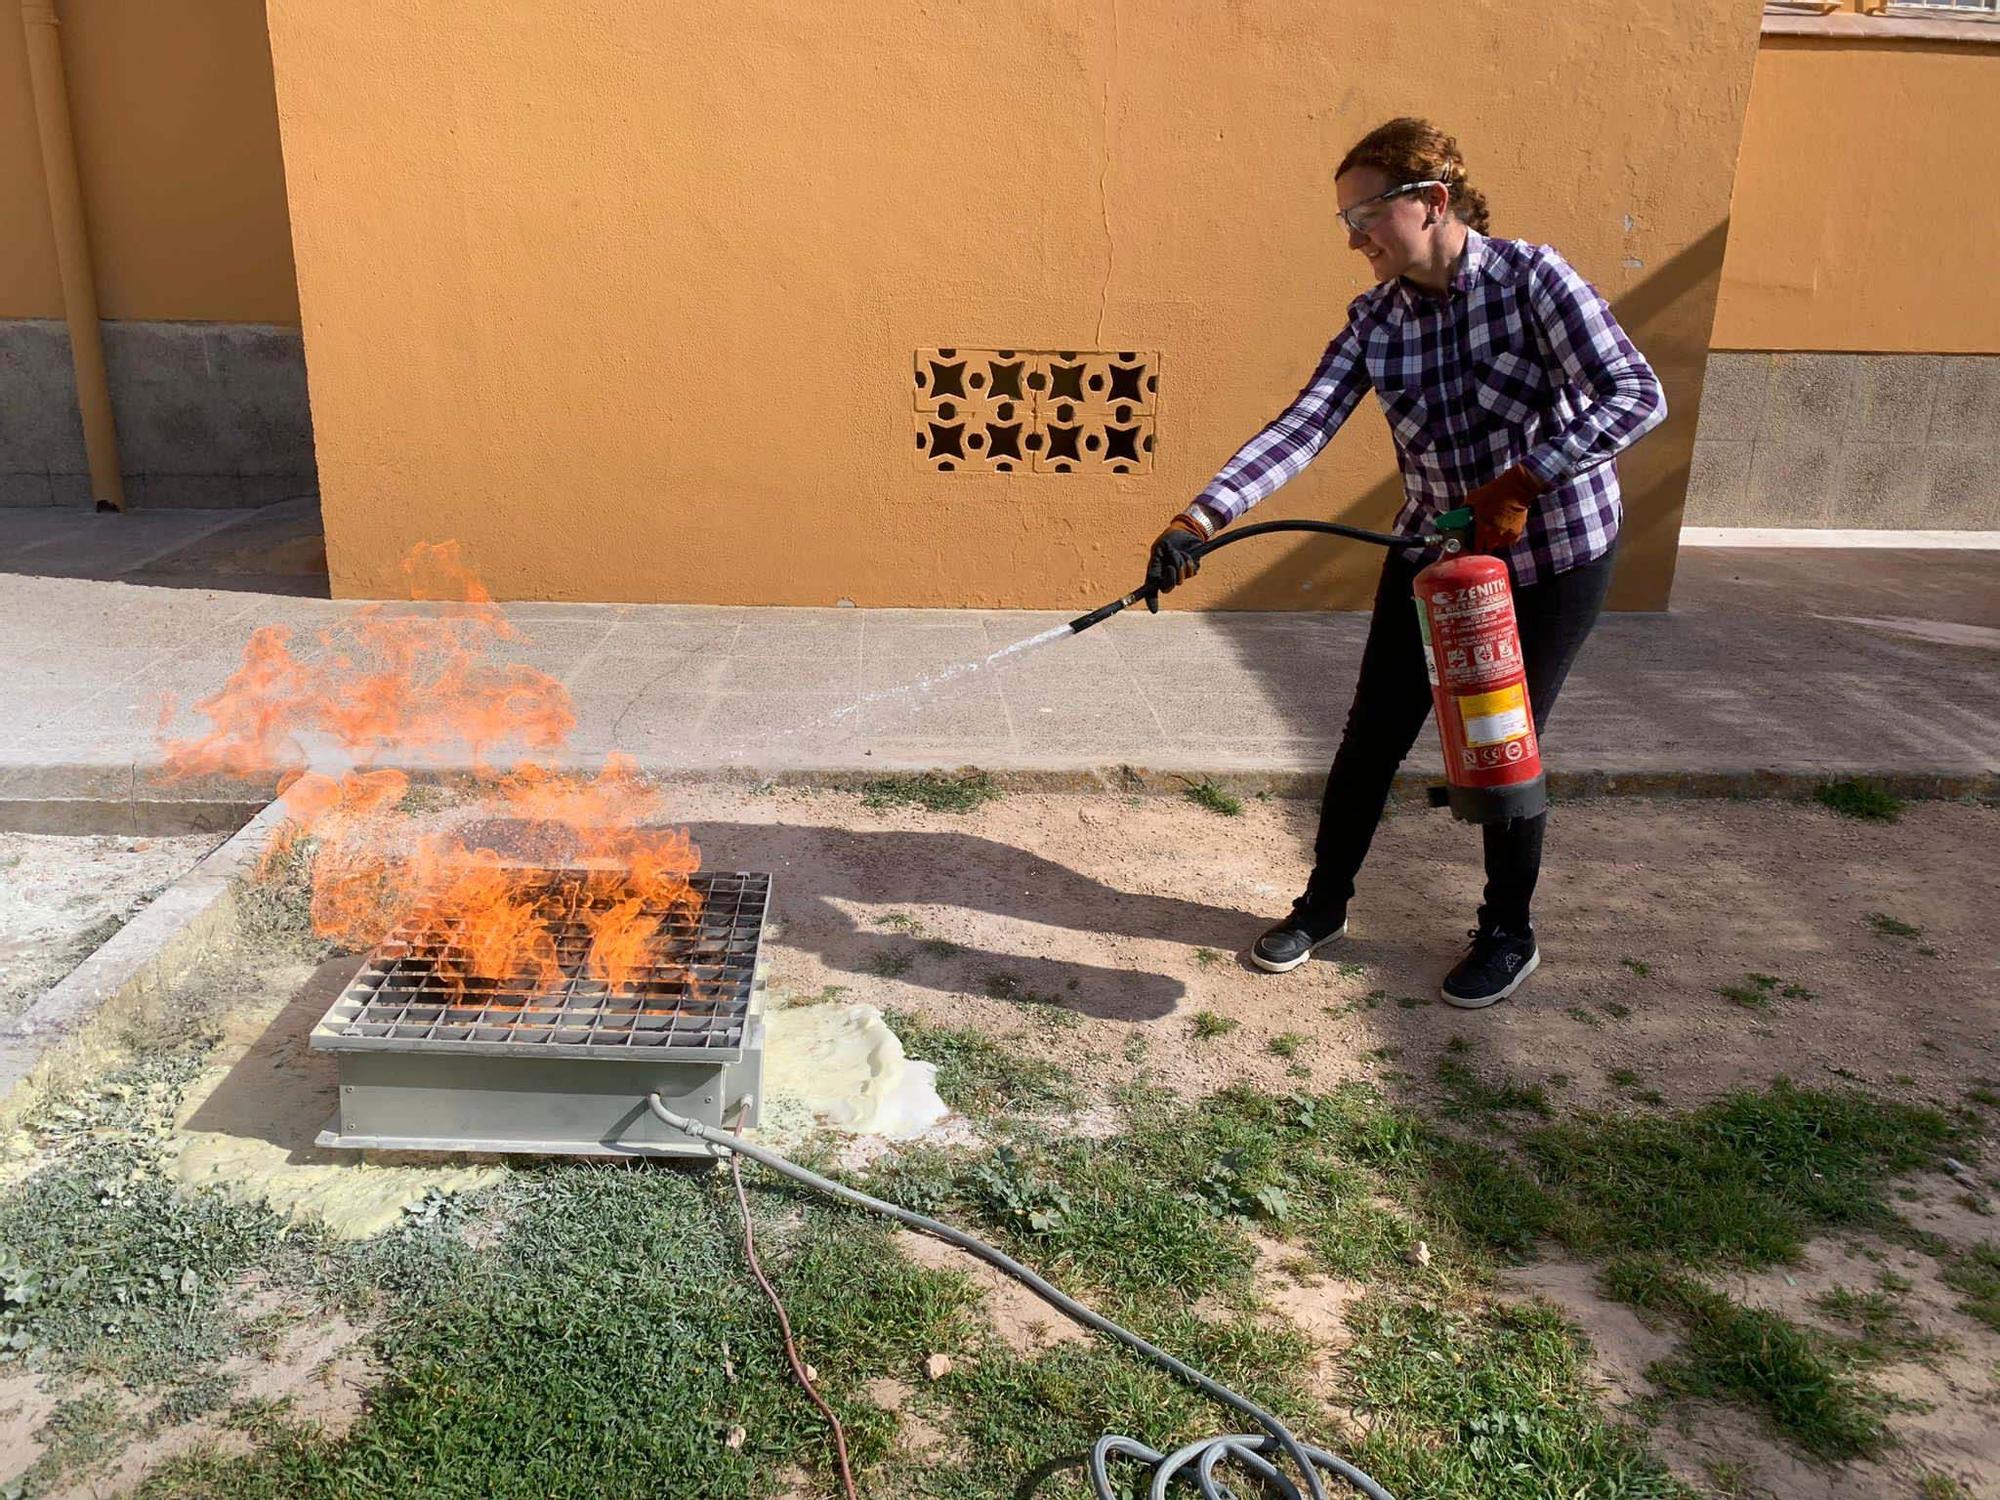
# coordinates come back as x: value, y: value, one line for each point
x: 144, y: 956
x: 212, y: 806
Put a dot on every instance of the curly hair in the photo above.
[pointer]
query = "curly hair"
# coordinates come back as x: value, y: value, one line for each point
x: 1412, y: 150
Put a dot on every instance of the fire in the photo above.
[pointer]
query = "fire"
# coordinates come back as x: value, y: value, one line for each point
x: 403, y: 684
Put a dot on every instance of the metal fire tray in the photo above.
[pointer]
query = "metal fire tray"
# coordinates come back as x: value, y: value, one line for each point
x: 429, y: 1064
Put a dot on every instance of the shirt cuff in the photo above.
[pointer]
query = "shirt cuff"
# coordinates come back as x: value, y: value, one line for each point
x: 1547, y: 465
x: 1217, y: 504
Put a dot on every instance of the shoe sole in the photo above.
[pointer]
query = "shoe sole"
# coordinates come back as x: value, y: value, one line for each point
x: 1534, y: 962
x: 1290, y: 964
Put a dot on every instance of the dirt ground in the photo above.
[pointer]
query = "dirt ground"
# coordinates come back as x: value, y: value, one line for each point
x: 61, y: 896
x: 1093, y: 929
x: 1135, y: 914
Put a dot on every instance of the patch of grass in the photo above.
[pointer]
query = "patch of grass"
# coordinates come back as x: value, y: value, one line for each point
x: 979, y: 1076
x: 273, y: 904
x: 1497, y: 1403
x: 1466, y: 1093
x: 1638, y: 966
x: 1413, y: 1002
x: 1205, y: 793
x: 1208, y: 958
x: 1286, y: 1043
x: 513, y: 1370
x: 81, y: 1433
x: 1207, y: 1024
x: 107, y: 1264
x: 890, y: 963
x: 1804, y: 1390
x: 1869, y: 801
x: 1743, y: 1180
x: 1615, y: 1009
x: 1625, y: 1078
x: 1588, y: 1018
x: 1883, y: 1331
x: 937, y: 947
x: 934, y: 791
x: 1941, y: 1487
x: 1047, y: 1009
x: 1983, y: 1096
x: 1975, y: 1275
x: 1887, y: 926
x: 899, y: 921
x: 1029, y: 1417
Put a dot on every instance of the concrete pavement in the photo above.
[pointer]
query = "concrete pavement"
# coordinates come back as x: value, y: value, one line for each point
x: 1773, y: 668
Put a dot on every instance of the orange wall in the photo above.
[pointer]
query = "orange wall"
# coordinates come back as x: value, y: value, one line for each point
x: 624, y: 296
x: 1866, y: 214
x: 177, y: 144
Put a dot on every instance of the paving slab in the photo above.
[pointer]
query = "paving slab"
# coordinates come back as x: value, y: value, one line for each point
x: 1774, y: 667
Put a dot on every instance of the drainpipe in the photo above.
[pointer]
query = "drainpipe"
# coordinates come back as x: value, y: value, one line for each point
x: 79, y: 286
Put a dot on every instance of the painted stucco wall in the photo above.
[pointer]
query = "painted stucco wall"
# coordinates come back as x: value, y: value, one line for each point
x: 177, y: 146
x: 1865, y: 214
x: 625, y: 296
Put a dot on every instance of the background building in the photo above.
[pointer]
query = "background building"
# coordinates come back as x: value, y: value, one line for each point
x: 633, y: 299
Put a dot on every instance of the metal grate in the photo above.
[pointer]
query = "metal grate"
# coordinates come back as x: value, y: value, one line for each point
x: 695, y: 994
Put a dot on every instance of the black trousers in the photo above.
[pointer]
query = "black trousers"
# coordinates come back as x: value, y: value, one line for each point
x: 1391, y: 702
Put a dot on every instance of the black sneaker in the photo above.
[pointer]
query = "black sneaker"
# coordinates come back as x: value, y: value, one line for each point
x: 1495, y: 966
x: 1293, y: 940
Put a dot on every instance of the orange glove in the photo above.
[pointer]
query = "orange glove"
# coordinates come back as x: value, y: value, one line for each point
x: 1501, y: 508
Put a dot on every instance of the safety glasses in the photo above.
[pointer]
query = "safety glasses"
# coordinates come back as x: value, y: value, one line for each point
x: 1358, y: 220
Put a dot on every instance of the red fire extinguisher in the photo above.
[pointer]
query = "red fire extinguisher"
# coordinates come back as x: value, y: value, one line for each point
x: 1472, y: 650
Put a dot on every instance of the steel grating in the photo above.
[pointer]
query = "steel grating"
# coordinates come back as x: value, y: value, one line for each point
x: 432, y: 1058
x: 694, y: 993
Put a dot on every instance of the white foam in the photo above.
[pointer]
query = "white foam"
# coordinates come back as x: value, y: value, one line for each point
x: 841, y: 1066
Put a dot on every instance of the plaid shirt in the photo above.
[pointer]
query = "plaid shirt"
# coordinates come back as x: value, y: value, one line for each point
x: 1522, y: 364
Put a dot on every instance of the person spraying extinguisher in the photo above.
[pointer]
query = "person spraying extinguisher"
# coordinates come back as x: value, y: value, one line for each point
x: 1509, y: 388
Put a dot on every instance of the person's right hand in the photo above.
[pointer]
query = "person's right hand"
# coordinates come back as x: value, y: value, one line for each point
x: 1173, y: 561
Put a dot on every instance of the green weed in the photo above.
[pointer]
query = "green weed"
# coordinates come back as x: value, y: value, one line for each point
x: 1205, y: 793
x: 1805, y: 1391
x: 1286, y: 1044
x: 1869, y: 801
x: 1890, y: 927
x: 978, y: 1076
x: 934, y: 791
x: 1208, y: 1025
x: 1975, y: 1275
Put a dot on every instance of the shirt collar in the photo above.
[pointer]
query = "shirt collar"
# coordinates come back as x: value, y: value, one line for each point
x: 1471, y: 267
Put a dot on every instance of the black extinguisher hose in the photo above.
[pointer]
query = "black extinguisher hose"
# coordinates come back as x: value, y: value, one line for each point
x: 1452, y: 534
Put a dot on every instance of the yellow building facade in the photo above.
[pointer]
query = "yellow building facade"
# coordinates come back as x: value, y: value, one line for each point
x: 635, y: 302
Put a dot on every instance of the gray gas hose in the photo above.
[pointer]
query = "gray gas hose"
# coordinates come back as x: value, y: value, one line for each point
x: 1254, y: 1451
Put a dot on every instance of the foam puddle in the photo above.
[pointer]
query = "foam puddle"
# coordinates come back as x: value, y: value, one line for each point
x: 841, y: 1066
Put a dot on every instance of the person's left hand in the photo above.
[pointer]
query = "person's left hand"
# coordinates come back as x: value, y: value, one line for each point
x: 1501, y: 508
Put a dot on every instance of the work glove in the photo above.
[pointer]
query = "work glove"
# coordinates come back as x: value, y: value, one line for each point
x: 1173, y: 561
x: 1501, y: 508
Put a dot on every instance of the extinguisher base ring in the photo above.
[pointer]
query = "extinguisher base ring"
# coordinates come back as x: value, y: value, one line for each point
x: 1499, y: 804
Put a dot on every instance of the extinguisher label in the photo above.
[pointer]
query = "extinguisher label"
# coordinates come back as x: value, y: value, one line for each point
x: 1494, y: 718
x: 1424, y: 630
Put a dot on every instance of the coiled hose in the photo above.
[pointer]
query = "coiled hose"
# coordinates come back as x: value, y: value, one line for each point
x: 1253, y: 1451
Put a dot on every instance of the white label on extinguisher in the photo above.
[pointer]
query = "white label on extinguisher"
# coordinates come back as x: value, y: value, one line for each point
x: 1424, y: 630
x: 1496, y: 717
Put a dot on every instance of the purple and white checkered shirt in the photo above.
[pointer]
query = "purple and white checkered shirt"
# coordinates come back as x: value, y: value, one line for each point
x: 1522, y: 364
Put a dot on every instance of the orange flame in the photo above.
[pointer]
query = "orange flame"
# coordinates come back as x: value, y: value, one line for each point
x: 416, y: 684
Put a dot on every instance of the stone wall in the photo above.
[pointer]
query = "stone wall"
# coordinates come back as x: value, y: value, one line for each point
x: 1872, y: 441
x: 209, y: 414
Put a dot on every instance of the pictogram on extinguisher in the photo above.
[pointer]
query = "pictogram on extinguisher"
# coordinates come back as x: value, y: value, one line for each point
x: 1472, y: 650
